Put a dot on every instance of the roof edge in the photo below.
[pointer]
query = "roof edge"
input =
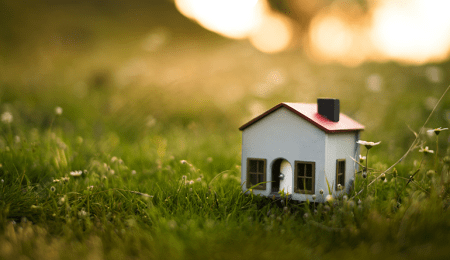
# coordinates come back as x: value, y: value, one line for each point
x: 273, y: 109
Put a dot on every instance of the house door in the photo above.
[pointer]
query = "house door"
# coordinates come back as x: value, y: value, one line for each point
x: 281, y: 176
x: 286, y: 176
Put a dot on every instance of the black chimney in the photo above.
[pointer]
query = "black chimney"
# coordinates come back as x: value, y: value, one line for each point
x: 329, y: 108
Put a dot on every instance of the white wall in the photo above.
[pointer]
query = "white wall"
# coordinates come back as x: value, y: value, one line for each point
x: 341, y: 146
x: 282, y: 134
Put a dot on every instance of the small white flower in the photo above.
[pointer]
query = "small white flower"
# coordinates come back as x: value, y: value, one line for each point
x: 425, y: 150
x: 56, y: 180
x: 151, y: 121
x: 82, y: 213
x: 90, y: 187
x: 198, y: 179
x: 362, y: 158
x: 313, y: 197
x: 76, y: 173
x: 437, y: 131
x: 52, y: 188
x: 7, y: 117
x: 17, y: 139
x: 339, y: 186
x: 58, y: 111
x: 114, y: 159
x: 329, y: 198
x: 368, y: 145
x: 191, y: 182
x: 183, y: 162
x: 112, y: 171
x: 133, y: 172
x: 321, y: 192
x: 345, y: 197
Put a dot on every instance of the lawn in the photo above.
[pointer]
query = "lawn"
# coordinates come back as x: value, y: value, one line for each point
x: 138, y: 156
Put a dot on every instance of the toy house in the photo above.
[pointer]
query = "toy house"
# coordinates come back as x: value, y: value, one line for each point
x: 300, y: 149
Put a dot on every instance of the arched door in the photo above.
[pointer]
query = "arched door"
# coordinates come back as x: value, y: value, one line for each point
x: 281, y: 176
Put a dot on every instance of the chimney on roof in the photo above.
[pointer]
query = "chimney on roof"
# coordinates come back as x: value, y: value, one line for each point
x: 328, y: 108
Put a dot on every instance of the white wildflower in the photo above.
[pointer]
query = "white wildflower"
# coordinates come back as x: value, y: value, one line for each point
x: 321, y: 191
x: 362, y: 158
x: 52, y: 189
x: 437, y: 131
x: 368, y: 145
x: 151, y: 121
x: 191, y: 182
x: 114, y: 159
x: 313, y: 197
x: 329, y: 198
x: 133, y: 172
x: 425, y: 150
x: 76, y: 173
x: 183, y: 162
x: 82, y: 213
x: 58, y: 111
x: 7, y: 117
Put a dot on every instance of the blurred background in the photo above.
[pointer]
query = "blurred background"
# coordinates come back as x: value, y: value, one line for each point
x: 130, y: 66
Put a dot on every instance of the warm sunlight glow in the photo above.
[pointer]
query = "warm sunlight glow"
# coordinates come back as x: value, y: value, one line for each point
x: 231, y: 18
x: 416, y: 31
x: 273, y: 34
x: 331, y: 36
x: 253, y: 19
x: 412, y: 31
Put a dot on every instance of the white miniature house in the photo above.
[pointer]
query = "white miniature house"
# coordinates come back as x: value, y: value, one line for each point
x: 297, y: 148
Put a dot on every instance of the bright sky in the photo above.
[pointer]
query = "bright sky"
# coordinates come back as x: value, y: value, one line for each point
x: 411, y: 31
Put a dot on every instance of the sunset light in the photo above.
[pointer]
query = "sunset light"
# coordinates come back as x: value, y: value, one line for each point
x: 331, y: 36
x: 414, y: 31
x: 267, y: 30
x: 231, y: 18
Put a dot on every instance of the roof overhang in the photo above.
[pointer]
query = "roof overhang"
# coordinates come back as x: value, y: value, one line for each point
x: 310, y: 114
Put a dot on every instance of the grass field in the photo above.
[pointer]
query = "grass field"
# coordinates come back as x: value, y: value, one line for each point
x: 125, y: 154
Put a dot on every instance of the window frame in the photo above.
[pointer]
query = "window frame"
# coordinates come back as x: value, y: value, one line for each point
x: 338, y: 161
x: 264, y: 173
x: 313, y: 177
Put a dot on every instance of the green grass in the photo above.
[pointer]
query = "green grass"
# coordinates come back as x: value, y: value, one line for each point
x: 140, y: 145
x: 172, y: 190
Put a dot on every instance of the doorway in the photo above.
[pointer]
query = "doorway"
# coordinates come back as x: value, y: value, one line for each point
x: 281, y: 167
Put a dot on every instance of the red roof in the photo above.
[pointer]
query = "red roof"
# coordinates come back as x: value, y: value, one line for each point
x: 309, y: 113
